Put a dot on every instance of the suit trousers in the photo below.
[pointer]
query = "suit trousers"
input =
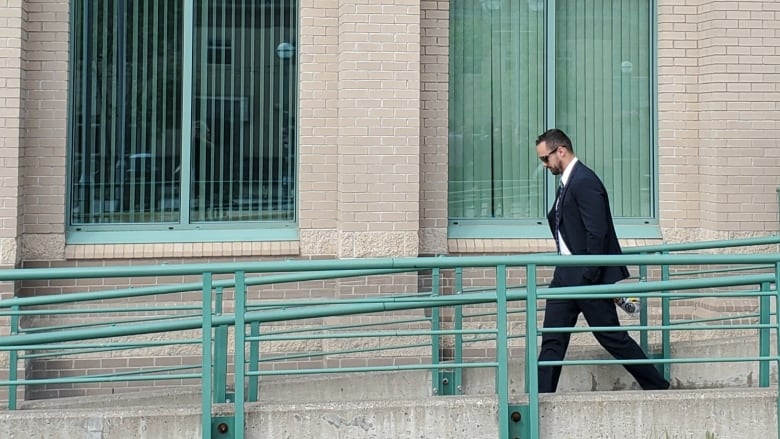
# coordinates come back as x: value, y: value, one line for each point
x: 563, y: 313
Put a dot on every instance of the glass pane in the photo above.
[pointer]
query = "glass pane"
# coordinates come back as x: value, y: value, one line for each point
x: 603, y: 95
x: 496, y: 109
x: 126, y: 120
x: 126, y: 111
x: 244, y: 111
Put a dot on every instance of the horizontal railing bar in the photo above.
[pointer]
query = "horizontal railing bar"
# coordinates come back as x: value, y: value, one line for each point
x: 636, y: 289
x: 716, y: 319
x: 60, y: 311
x: 410, y: 333
x: 723, y: 270
x: 373, y: 369
x: 660, y: 361
x: 674, y: 295
x: 339, y: 327
x: 104, y: 323
x: 142, y: 372
x: 342, y: 352
x: 106, y: 379
x: 401, y: 264
x: 62, y: 353
x: 99, y: 345
x: 684, y: 327
x: 488, y: 314
x: 308, y: 302
x: 705, y: 245
x: 169, y: 288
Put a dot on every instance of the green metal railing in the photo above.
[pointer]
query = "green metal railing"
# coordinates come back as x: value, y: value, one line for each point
x: 212, y: 318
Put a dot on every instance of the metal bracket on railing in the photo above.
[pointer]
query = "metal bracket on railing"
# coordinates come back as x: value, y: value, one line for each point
x: 518, y: 421
x: 223, y: 427
x: 448, y: 383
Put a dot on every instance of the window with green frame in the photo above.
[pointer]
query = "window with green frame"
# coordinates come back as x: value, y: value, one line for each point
x: 182, y: 118
x: 518, y: 67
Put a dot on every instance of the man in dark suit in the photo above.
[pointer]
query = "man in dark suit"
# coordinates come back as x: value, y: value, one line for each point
x: 581, y: 223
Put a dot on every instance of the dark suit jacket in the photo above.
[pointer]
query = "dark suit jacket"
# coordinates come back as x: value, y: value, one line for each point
x: 587, y: 229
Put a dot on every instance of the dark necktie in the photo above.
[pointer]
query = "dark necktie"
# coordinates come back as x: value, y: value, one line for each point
x: 558, y: 194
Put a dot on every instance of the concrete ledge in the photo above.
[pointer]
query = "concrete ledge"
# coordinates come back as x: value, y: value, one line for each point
x: 728, y: 413
x: 672, y: 414
x: 450, y: 417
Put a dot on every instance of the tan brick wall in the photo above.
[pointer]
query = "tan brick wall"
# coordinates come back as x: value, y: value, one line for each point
x: 379, y: 128
x: 319, y: 131
x: 718, y: 87
x: 13, y: 28
x: 434, y: 105
x: 13, y: 41
x: 373, y: 129
x: 45, y: 120
x: 739, y: 68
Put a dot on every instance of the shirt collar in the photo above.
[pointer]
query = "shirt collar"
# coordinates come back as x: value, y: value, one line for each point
x: 567, y: 171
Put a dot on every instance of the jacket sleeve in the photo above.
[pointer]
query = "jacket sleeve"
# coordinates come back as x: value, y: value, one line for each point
x: 592, y: 203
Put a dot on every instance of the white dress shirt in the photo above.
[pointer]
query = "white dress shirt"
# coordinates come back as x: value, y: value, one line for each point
x: 564, y: 181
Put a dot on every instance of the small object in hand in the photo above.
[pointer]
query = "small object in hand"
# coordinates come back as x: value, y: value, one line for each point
x: 629, y: 304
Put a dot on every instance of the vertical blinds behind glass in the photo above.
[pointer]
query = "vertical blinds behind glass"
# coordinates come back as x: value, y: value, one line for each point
x: 496, y: 109
x: 603, y: 80
x: 129, y: 93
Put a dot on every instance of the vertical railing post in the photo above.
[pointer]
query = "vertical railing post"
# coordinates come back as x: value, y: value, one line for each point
x: 448, y: 380
x: 436, y: 373
x: 666, y: 320
x: 458, y: 324
x: 531, y: 354
x: 763, y: 335
x: 777, y: 341
x: 502, y: 353
x: 254, y: 361
x: 13, y: 360
x: 206, y: 352
x: 238, y: 356
x: 643, y: 340
x: 220, y: 352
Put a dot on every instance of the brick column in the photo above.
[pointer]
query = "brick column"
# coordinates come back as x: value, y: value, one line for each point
x: 379, y: 128
x: 738, y: 92
x: 45, y: 84
x: 13, y: 32
x: 434, y: 94
x: 717, y: 94
x: 13, y: 28
x: 318, y: 125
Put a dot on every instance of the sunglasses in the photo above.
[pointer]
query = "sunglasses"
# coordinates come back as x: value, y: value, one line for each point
x: 546, y: 158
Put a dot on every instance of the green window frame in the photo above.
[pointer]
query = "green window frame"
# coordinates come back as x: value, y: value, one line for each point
x: 520, y: 67
x: 182, y: 121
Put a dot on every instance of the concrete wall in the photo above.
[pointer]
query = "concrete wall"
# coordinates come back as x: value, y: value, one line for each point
x: 728, y: 414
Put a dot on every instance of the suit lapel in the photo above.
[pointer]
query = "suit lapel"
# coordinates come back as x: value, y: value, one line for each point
x: 569, y: 183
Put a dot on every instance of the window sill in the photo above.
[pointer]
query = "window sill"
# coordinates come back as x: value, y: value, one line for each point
x: 182, y: 244
x: 182, y: 250
x: 538, y: 230
x: 532, y: 238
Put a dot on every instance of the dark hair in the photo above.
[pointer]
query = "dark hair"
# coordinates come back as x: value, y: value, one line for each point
x: 555, y: 137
